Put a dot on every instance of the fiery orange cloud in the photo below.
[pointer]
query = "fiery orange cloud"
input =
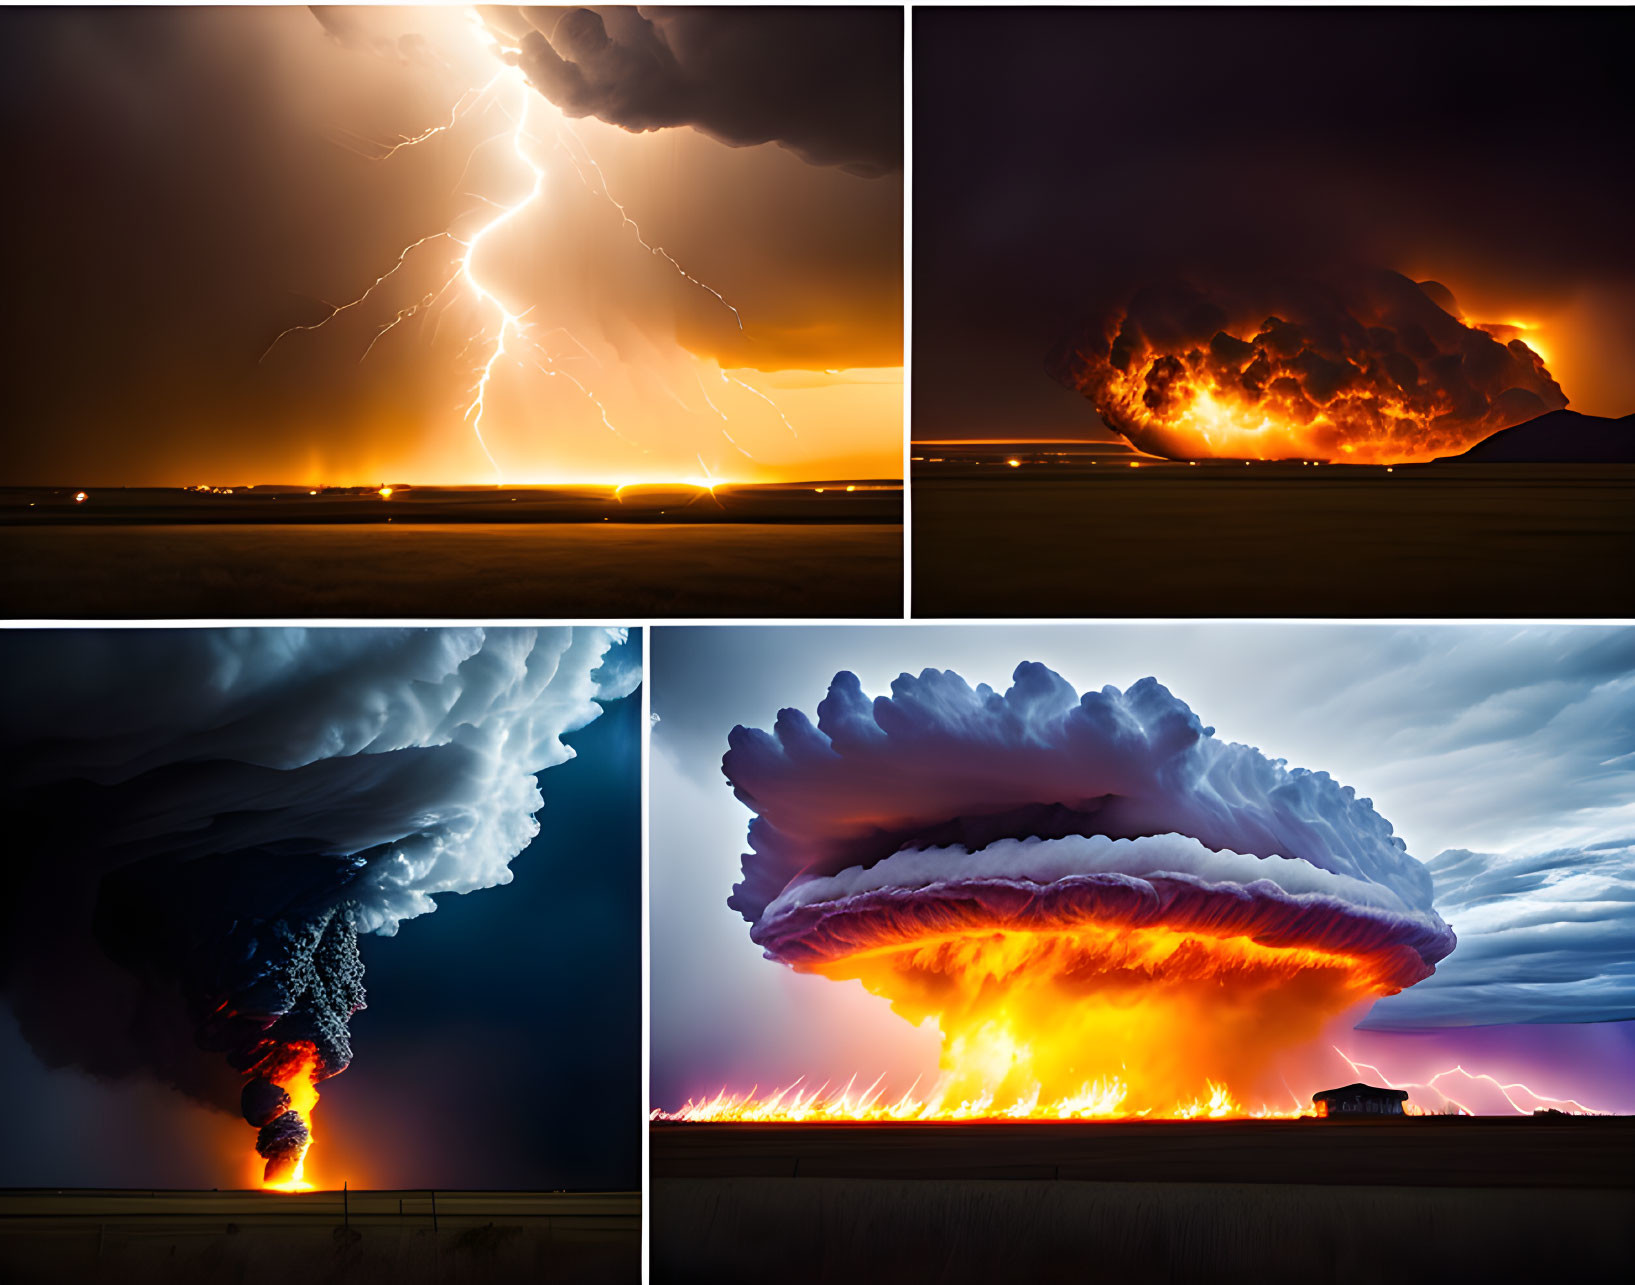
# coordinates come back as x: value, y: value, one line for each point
x: 1369, y: 369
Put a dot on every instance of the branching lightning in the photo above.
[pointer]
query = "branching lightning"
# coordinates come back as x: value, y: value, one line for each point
x: 508, y: 337
x: 566, y: 130
x: 1504, y: 1090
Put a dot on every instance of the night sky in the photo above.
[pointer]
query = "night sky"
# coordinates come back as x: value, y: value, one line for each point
x: 1064, y: 157
x: 500, y: 1046
x: 192, y: 181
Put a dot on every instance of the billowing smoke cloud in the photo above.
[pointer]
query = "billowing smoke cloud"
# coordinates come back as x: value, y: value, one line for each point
x: 943, y: 805
x: 1544, y: 937
x: 1365, y: 366
x: 205, y: 820
x: 824, y: 82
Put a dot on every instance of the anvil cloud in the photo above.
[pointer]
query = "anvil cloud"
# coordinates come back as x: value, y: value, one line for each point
x: 944, y: 808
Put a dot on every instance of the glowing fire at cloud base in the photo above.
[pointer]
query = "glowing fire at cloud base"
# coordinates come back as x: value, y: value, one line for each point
x: 1366, y: 368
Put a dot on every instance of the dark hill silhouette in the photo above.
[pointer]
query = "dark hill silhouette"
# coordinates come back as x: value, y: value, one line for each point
x: 1559, y: 437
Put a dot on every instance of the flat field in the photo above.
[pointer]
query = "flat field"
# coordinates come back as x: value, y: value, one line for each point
x: 271, y: 1238
x: 1274, y: 540
x: 1252, y: 1201
x: 582, y: 554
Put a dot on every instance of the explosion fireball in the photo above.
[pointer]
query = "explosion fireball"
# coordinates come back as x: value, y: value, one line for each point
x: 1105, y: 910
x: 1369, y: 368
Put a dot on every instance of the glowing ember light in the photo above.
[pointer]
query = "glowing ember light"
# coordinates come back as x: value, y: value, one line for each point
x: 79, y: 498
x: 1014, y: 463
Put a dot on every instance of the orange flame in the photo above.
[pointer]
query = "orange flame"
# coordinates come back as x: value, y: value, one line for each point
x: 297, y: 1076
x: 1092, y: 1022
x: 1095, y: 1100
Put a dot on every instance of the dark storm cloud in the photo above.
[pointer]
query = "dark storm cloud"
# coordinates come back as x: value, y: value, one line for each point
x: 1101, y: 150
x: 825, y: 83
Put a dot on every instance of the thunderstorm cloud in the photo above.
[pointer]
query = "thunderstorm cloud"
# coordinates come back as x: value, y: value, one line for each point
x: 826, y: 83
x: 205, y: 820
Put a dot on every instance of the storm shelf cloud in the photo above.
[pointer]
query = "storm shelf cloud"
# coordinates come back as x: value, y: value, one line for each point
x: 206, y: 820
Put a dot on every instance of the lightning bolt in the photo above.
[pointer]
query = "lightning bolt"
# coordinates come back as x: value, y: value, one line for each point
x: 726, y: 378
x: 564, y: 129
x: 511, y: 324
x: 336, y: 310
x: 1458, y: 1069
x: 507, y: 335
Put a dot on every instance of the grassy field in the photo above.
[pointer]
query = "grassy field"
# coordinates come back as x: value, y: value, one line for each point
x: 612, y: 571
x: 1274, y: 540
x: 1250, y: 1201
x: 391, y: 1237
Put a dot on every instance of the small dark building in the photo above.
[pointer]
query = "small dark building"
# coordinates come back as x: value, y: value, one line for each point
x: 1360, y: 1099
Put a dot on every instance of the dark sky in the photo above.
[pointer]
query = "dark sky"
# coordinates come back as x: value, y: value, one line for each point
x: 1063, y: 157
x: 501, y: 1045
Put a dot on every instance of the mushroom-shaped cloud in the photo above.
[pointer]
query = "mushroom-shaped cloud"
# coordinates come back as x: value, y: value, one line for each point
x: 1085, y: 892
